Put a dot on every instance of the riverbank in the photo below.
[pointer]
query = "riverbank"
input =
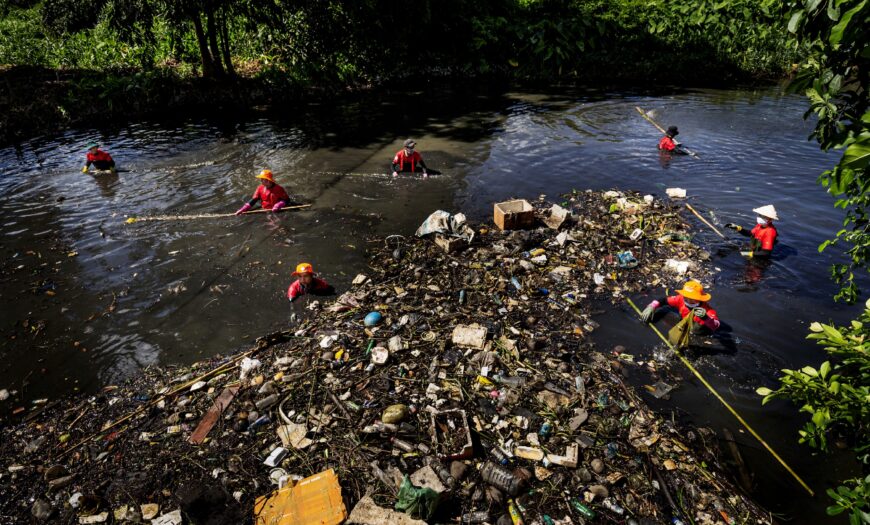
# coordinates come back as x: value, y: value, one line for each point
x: 498, y: 329
x: 36, y: 101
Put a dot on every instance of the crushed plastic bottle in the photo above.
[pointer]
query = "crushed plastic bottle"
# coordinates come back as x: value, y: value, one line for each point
x: 501, y: 478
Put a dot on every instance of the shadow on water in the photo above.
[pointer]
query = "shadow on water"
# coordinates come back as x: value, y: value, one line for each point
x: 128, y: 296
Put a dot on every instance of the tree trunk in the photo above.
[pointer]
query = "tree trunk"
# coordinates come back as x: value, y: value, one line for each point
x: 208, y: 70
x: 225, y: 46
x: 212, y: 40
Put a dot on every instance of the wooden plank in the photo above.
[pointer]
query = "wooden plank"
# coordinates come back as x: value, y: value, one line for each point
x: 210, y: 418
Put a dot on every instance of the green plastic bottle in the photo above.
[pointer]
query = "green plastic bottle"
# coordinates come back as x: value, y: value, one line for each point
x: 584, y: 511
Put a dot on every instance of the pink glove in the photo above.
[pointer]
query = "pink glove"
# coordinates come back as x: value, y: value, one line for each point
x: 278, y: 205
x: 395, y: 174
x: 243, y: 209
x: 655, y: 304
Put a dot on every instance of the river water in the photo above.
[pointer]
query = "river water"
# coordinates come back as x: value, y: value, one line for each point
x: 88, y: 299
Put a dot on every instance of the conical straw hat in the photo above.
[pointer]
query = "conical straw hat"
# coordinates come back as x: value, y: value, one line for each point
x: 767, y: 211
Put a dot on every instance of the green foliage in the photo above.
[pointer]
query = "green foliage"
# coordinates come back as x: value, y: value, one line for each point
x: 834, y: 77
x: 837, y: 398
x: 334, y: 42
x: 852, y: 497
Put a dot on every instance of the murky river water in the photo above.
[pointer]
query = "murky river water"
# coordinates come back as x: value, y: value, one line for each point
x: 88, y: 299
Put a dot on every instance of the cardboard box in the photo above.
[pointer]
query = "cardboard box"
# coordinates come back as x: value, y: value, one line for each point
x: 514, y: 215
x: 450, y: 244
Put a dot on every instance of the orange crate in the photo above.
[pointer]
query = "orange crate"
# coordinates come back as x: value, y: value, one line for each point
x: 315, y: 500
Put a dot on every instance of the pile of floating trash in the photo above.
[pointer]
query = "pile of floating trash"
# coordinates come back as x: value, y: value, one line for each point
x: 454, y: 382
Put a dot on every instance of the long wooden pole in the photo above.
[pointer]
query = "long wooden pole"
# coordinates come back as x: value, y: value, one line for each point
x: 721, y: 400
x: 656, y: 124
x: 698, y: 215
x: 131, y: 220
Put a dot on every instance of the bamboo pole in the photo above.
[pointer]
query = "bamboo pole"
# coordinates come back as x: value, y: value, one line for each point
x: 698, y: 215
x: 728, y: 406
x: 131, y: 220
x: 656, y: 124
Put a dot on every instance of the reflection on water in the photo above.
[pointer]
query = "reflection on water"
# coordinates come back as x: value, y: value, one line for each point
x: 127, y: 296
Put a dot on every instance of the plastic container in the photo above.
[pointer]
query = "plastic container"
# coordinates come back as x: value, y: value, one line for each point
x: 475, y: 517
x: 501, y: 478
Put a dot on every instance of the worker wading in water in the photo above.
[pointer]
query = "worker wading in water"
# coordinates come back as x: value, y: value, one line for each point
x: 307, y: 283
x: 99, y: 158
x: 691, y: 300
x: 763, y: 235
x: 668, y: 145
x: 270, y: 195
x: 407, y: 160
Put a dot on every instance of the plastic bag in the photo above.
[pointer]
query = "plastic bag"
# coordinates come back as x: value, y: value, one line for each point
x: 418, y: 502
x: 679, y: 334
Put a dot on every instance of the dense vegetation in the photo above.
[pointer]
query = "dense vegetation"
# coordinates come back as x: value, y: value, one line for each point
x: 374, y: 40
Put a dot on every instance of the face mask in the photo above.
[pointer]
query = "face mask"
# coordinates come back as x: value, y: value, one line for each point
x: 761, y: 220
x: 692, y: 304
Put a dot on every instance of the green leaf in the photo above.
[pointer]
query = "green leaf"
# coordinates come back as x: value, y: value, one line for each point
x: 838, y: 30
x: 764, y: 391
x: 794, y: 21
x: 833, y: 10
x: 825, y: 369
x: 810, y: 371
x: 833, y: 510
x: 857, y: 155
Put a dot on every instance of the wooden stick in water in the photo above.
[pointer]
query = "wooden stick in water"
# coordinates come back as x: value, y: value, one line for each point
x: 725, y: 403
x: 131, y: 220
x: 698, y: 215
x: 656, y: 124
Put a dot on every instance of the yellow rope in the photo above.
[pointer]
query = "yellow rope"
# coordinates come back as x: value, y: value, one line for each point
x: 721, y: 400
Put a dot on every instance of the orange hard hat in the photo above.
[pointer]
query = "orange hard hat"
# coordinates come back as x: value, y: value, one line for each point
x: 266, y: 175
x: 303, y: 268
x: 694, y: 290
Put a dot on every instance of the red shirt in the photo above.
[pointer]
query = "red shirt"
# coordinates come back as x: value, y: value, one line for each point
x: 297, y: 289
x: 401, y: 159
x: 667, y: 144
x: 99, y: 156
x: 270, y: 196
x: 765, y: 235
x: 679, y: 302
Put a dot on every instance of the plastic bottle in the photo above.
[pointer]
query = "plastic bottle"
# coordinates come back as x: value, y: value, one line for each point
x: 475, y: 517
x: 514, y: 512
x: 584, y: 511
x: 546, y: 430
x: 442, y: 472
x: 403, y: 445
x: 612, y: 506
x: 547, y: 520
x: 501, y: 478
x: 262, y: 420
x: 267, y: 401
x: 379, y: 426
x: 515, y: 381
x: 499, y: 455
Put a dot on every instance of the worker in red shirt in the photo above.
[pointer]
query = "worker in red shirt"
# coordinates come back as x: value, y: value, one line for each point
x: 270, y: 195
x: 691, y: 300
x: 407, y: 160
x: 99, y: 158
x: 763, y: 235
x: 307, y: 283
x: 668, y: 144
